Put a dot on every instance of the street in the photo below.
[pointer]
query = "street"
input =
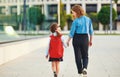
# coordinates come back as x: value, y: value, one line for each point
x: 104, y: 61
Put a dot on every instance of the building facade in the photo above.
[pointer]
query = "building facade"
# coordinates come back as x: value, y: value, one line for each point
x: 49, y: 7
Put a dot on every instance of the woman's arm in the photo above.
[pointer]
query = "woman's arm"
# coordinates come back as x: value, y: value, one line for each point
x: 63, y: 41
x: 90, y: 41
x: 91, y: 32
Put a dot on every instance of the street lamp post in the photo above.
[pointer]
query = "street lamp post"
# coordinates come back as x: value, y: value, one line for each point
x: 24, y: 16
x: 111, y: 15
x: 58, y: 11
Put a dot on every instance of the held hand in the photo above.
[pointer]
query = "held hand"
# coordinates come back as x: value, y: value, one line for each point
x: 90, y: 43
x: 67, y: 43
x: 46, y: 56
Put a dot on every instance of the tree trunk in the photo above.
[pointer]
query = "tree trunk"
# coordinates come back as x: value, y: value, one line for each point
x: 37, y: 28
x: 20, y: 27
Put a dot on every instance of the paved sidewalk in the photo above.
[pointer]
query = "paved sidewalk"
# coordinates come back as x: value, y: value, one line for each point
x: 104, y: 61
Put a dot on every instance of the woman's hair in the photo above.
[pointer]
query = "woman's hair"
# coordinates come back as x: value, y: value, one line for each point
x: 79, y: 10
x: 53, y: 28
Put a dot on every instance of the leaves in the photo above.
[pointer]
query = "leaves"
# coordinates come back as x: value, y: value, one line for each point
x: 104, y: 15
x: 62, y: 15
x: 35, y: 15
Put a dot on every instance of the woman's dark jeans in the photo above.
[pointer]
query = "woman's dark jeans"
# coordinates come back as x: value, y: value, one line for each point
x: 80, y: 45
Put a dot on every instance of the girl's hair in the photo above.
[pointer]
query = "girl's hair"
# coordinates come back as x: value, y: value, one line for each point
x: 79, y: 10
x: 53, y: 28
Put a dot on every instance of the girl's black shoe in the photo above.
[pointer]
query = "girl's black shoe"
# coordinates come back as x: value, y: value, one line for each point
x: 55, y: 75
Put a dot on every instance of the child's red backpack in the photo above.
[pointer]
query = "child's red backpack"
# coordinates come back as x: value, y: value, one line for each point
x: 56, y: 47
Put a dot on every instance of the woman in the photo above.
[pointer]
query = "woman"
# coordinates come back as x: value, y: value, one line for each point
x: 81, y: 32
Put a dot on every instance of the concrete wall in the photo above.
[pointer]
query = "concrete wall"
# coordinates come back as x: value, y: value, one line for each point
x: 11, y: 51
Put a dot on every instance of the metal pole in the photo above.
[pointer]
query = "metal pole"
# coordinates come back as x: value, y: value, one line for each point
x: 58, y: 12
x: 111, y: 15
x: 24, y: 15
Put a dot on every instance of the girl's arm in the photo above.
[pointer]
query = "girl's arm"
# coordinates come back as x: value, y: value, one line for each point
x: 63, y: 41
x: 47, y: 49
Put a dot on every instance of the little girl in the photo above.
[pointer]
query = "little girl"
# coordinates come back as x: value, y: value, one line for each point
x: 55, y: 48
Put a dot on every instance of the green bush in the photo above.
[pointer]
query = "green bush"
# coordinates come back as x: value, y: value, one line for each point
x: 9, y: 20
x: 62, y: 15
x: 95, y: 21
x: 35, y: 16
x: 69, y: 20
x: 104, y: 16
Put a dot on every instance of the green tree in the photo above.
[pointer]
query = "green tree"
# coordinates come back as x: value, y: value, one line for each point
x: 95, y: 21
x: 62, y: 15
x: 104, y: 16
x: 35, y: 16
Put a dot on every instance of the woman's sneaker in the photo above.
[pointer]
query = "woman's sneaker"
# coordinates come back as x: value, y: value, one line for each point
x: 84, y: 72
x: 80, y: 75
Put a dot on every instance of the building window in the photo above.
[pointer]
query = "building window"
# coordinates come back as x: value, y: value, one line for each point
x: 13, y: 9
x: 2, y: 10
x: 118, y: 9
x: 52, y: 10
x: 91, y: 8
